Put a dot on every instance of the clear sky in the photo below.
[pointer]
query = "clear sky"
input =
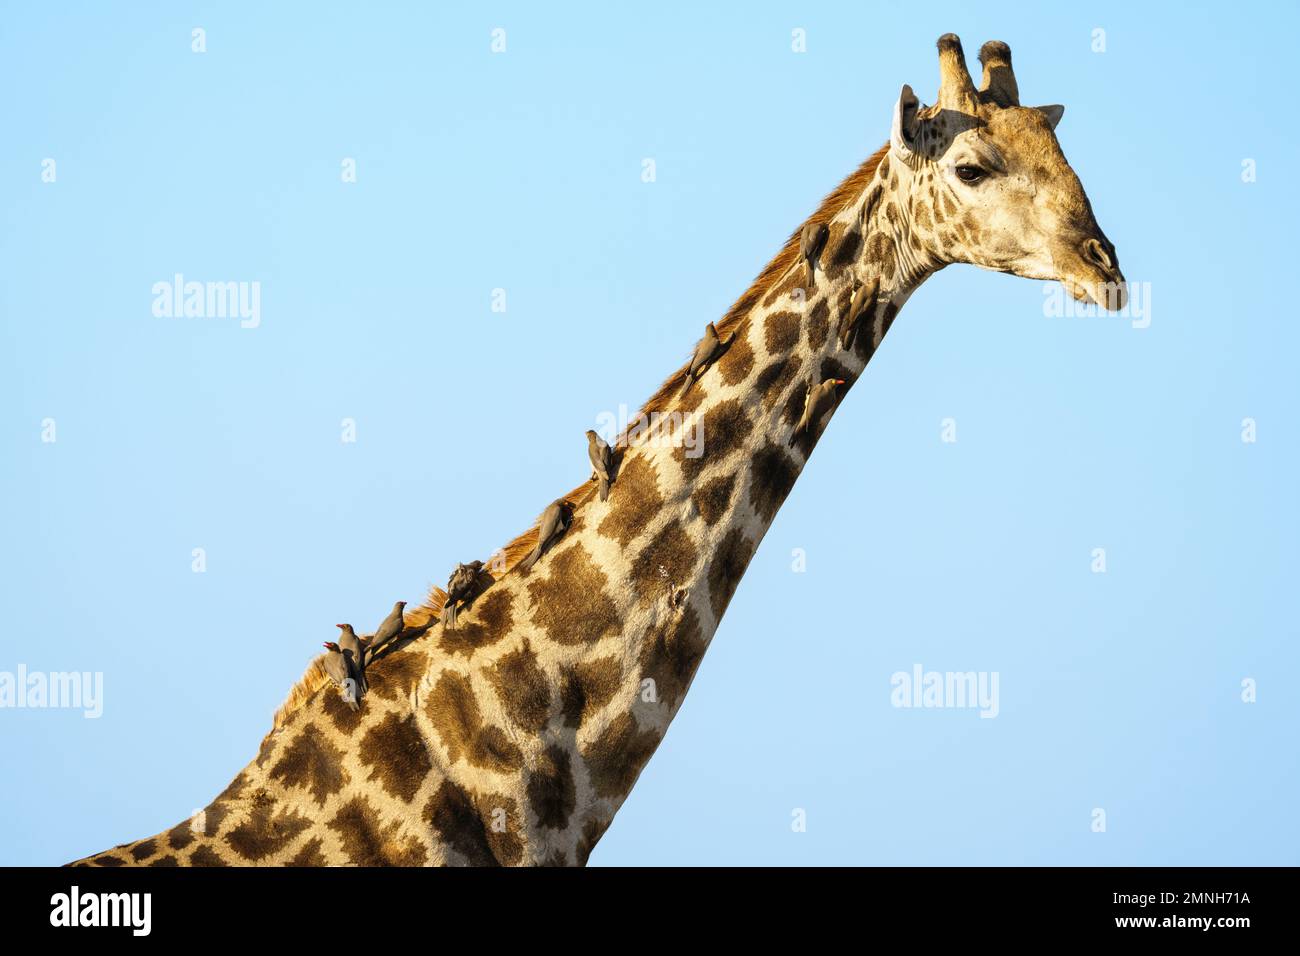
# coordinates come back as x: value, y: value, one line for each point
x: 1119, y: 691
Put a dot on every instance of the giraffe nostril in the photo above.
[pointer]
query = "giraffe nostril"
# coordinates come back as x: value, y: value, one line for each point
x: 1096, y: 253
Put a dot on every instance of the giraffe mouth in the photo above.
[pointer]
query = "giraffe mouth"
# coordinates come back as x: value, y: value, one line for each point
x: 1091, y: 273
x: 1106, y: 292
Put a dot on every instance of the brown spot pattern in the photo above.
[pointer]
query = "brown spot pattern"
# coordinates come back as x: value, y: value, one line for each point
x: 772, y: 475
x: 504, y: 844
x: 395, y: 676
x: 865, y: 346
x: 846, y: 252
x: 615, y: 758
x: 310, y: 854
x: 711, y: 498
x: 772, y: 381
x: 727, y: 568
x: 571, y: 605
x: 668, y: 559
x: 737, y: 362
x: 266, y: 831
x: 819, y: 324
x: 312, y: 762
x: 592, y: 831
x: 869, y: 205
x: 214, y: 814
x: 633, y: 500
x: 551, y: 791
x: 522, y: 687
x: 452, y: 814
x: 726, y: 426
x: 671, y: 655
x: 587, y: 687
x: 395, y: 753
x: 180, y: 836
x: 367, y: 843
x: 205, y: 856
x: 485, y: 624
x: 344, y: 718
x: 781, y: 332
x: 887, y: 318
x: 458, y: 722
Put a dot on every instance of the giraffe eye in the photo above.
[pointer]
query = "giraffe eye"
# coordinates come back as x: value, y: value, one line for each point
x: 970, y: 174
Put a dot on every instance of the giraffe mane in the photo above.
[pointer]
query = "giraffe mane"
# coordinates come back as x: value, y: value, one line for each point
x: 314, y: 678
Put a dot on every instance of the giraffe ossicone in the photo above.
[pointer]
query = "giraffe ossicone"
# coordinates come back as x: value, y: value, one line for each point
x: 515, y: 736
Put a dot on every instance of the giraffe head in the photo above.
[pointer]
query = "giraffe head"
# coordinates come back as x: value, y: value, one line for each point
x: 985, y: 182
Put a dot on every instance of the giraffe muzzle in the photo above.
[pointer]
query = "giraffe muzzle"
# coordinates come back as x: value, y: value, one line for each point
x: 1095, y: 275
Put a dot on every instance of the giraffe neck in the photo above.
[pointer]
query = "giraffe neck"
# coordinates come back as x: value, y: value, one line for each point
x: 515, y: 736
x: 619, y: 614
x: 694, y: 500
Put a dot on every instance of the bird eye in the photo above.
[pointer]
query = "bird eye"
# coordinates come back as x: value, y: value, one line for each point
x: 970, y: 174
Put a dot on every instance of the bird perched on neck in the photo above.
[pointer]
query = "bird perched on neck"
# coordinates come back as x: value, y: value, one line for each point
x: 602, y: 462
x: 389, y: 630
x: 554, y: 522
x: 354, y: 651
x: 340, y: 674
x: 863, y: 302
x: 462, y: 587
x: 707, y: 351
x: 812, y: 240
x: 818, y: 400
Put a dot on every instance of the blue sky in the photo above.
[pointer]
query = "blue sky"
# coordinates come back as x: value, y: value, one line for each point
x: 522, y: 170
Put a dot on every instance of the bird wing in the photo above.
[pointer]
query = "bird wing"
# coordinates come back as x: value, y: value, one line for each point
x: 602, y: 460
x: 703, y: 352
x: 335, y: 669
x: 392, y: 625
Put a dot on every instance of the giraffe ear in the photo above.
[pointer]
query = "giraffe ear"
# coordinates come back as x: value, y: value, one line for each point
x: 1054, y: 112
x: 903, y: 133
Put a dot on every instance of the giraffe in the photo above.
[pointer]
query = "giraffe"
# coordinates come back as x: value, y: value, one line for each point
x: 514, y: 736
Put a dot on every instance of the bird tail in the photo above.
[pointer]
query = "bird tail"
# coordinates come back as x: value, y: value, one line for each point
x: 527, y: 563
x: 371, y: 650
x: 449, y: 614
x: 604, y: 489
